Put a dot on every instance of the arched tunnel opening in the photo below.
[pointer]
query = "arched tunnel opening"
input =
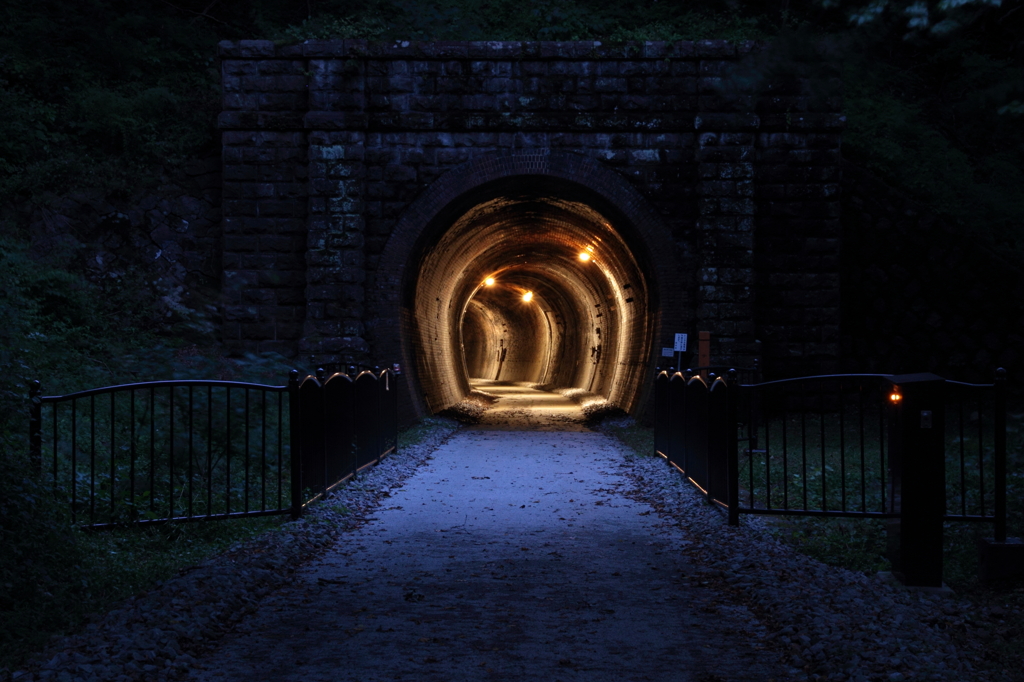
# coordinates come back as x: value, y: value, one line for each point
x: 530, y: 279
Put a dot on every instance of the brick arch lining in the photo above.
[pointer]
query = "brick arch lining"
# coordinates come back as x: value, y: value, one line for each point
x: 394, y: 330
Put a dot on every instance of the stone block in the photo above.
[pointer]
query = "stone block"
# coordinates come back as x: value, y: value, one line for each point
x: 715, y: 49
x: 241, y: 313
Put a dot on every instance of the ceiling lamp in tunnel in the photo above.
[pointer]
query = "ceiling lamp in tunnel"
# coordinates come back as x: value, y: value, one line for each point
x: 489, y: 281
x: 528, y: 296
x: 586, y: 254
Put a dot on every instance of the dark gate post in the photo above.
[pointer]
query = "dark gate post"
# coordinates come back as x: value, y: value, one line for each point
x: 660, y: 413
x: 1001, y: 557
x: 917, y: 477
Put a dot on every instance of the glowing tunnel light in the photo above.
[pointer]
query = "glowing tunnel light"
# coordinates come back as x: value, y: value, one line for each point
x: 528, y: 296
x: 489, y: 281
x: 895, y: 397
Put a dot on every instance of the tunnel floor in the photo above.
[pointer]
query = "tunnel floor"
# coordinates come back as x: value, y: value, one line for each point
x: 519, y: 407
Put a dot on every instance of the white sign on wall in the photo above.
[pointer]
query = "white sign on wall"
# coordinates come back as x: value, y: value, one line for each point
x: 680, y: 346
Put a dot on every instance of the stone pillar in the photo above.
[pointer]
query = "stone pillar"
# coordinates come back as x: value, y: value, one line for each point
x: 725, y: 288
x: 264, y: 189
x: 334, y: 334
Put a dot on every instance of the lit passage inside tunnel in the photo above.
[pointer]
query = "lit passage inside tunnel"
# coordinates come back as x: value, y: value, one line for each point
x: 531, y: 282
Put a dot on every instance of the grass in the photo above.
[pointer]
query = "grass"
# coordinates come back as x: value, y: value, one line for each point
x: 993, y: 617
x: 418, y: 431
x: 102, y: 569
x: 856, y: 543
x: 67, y: 576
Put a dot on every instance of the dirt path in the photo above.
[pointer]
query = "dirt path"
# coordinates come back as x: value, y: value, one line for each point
x: 512, y: 555
x: 519, y: 408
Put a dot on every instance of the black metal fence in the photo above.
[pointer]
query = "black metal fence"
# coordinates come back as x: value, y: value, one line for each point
x: 866, y: 445
x: 189, y: 450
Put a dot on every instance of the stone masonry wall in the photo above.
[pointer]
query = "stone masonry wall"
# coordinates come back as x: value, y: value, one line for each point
x: 326, y: 144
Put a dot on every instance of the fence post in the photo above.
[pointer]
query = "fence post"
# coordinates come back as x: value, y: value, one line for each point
x: 367, y: 419
x: 695, y: 439
x: 1002, y: 557
x: 733, y: 445
x: 917, y: 476
x: 35, y: 427
x: 295, y: 437
x: 661, y: 418
x: 394, y: 408
x: 676, y: 425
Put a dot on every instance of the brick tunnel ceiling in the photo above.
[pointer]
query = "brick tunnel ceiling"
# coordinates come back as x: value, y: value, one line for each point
x: 587, y: 324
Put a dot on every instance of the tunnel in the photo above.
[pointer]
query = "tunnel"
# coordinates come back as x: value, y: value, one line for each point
x: 530, y: 279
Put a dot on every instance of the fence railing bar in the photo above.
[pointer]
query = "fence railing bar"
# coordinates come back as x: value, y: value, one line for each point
x: 785, y: 456
x: 263, y: 449
x: 999, y: 435
x: 795, y: 380
x: 818, y: 513
x: 824, y: 466
x: 74, y: 461
x: 803, y: 441
x: 245, y: 459
x: 294, y: 437
x: 988, y: 518
x: 227, y: 451
x: 152, y: 449
x: 55, y: 451
x: 113, y: 458
x: 35, y: 426
x: 981, y: 455
x: 191, y: 450
x: 160, y: 384
x: 842, y: 446
x: 186, y: 519
x: 170, y: 450
x: 131, y: 436
x: 280, y: 450
x: 337, y: 484
x: 732, y: 466
x: 767, y: 466
x: 751, y: 442
x: 92, y: 459
x: 209, y: 451
x: 881, y: 455
x: 961, y: 383
x: 863, y: 461
x: 963, y: 458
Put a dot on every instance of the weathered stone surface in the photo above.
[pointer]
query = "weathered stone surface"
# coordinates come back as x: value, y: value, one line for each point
x: 350, y: 148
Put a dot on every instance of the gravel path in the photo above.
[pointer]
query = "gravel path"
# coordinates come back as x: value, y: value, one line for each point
x: 738, y: 588
x: 510, y: 556
x: 829, y: 623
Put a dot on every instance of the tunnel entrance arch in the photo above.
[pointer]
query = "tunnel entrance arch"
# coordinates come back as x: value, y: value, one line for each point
x: 559, y: 229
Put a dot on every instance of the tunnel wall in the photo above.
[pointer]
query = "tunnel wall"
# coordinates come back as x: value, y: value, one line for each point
x: 329, y: 145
